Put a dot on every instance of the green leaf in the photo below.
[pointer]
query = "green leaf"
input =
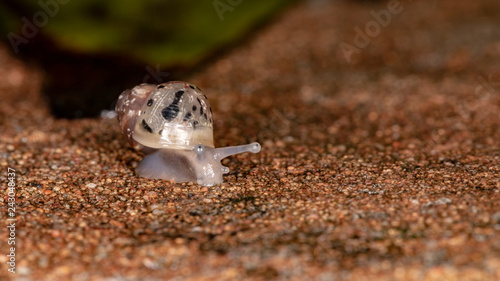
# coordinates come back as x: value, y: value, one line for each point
x: 155, y: 32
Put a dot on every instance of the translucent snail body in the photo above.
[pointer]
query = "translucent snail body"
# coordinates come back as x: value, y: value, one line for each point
x: 172, y: 123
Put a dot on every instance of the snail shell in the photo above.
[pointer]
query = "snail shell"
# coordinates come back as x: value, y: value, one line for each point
x: 172, y: 123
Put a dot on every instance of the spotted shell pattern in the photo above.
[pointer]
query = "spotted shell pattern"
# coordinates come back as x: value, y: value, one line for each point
x: 173, y: 115
x: 172, y: 124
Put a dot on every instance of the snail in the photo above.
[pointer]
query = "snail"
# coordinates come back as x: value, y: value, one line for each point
x: 172, y: 124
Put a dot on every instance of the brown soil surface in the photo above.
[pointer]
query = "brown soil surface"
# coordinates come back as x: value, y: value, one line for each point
x: 386, y: 167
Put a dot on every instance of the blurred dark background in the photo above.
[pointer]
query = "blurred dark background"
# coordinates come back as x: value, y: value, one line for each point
x: 90, y: 51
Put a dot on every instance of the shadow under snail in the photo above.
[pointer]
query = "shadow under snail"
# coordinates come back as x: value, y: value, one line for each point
x: 172, y: 124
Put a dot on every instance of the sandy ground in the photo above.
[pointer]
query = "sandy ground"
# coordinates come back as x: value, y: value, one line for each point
x: 381, y: 167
